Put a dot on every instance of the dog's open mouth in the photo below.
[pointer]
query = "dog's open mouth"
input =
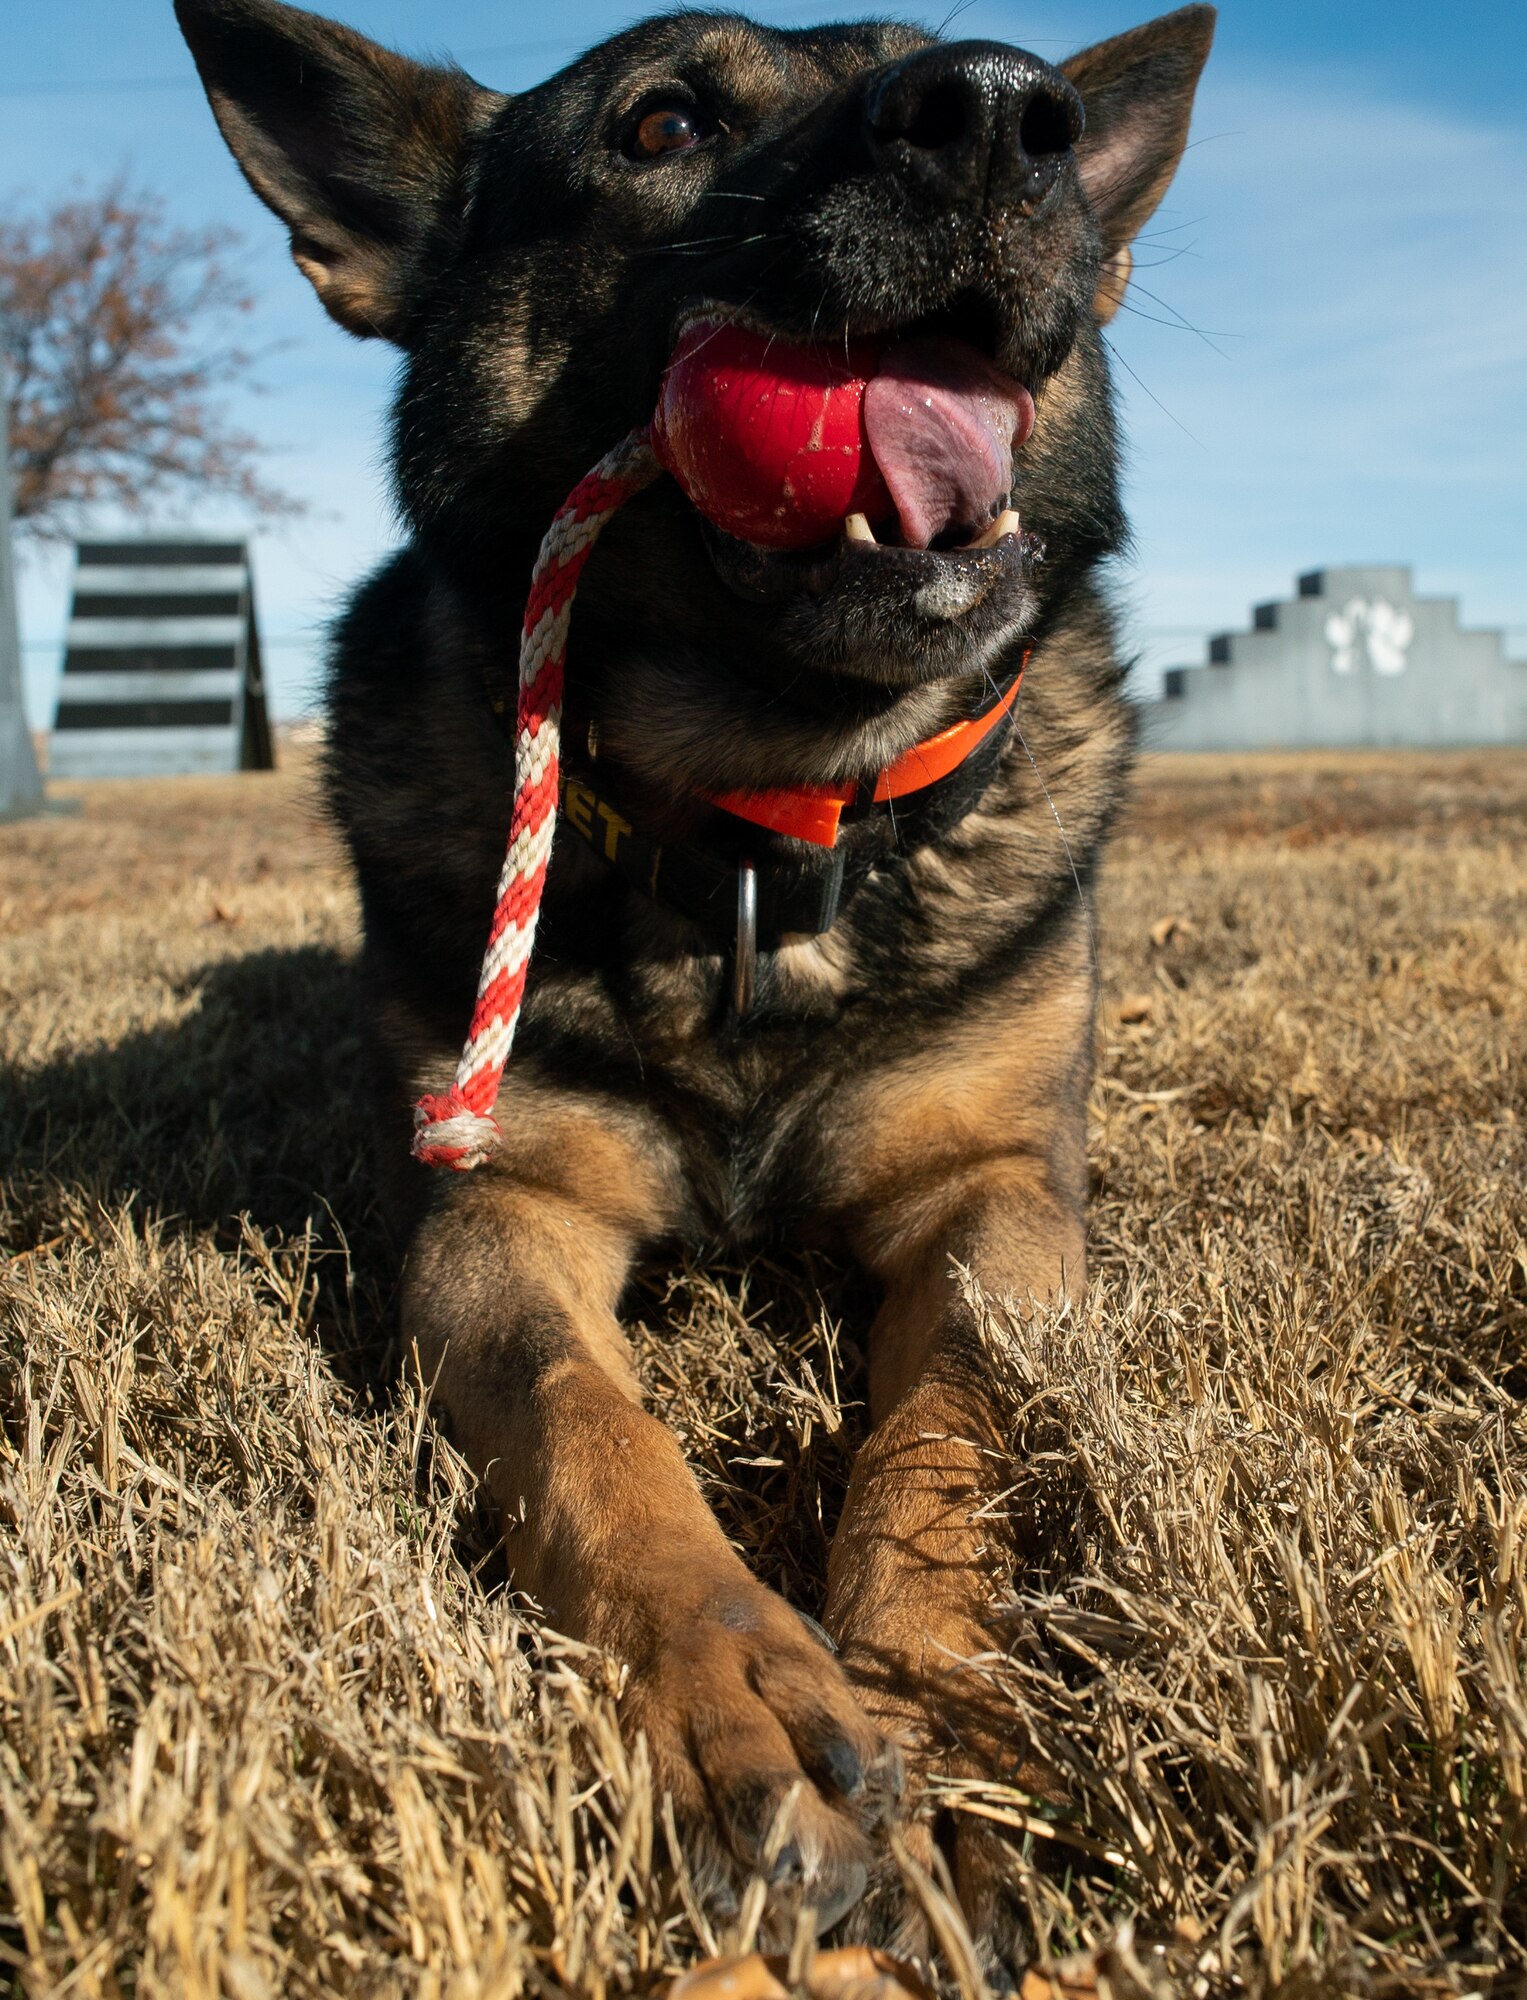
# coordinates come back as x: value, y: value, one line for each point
x: 942, y: 426
x: 803, y: 457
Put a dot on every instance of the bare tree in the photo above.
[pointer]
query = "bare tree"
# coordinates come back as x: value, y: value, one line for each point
x: 117, y: 327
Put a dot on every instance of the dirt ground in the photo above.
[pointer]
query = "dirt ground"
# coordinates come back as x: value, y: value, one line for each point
x: 270, y: 1721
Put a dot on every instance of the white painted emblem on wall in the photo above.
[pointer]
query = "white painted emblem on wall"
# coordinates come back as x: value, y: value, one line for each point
x: 1374, y: 631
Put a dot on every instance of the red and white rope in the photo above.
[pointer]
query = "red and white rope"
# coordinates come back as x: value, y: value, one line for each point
x: 457, y: 1128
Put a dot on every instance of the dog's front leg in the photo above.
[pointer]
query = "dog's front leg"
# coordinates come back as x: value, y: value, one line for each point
x: 971, y: 1154
x: 510, y: 1302
x: 921, y: 1553
x: 918, y: 1555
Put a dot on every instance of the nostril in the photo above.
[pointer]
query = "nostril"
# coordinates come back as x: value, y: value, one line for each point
x: 928, y: 119
x: 1047, y: 126
x: 939, y: 119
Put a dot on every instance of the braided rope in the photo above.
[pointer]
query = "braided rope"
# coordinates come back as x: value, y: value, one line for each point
x: 457, y: 1128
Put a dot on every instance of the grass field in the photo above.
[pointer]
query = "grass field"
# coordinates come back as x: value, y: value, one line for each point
x: 270, y: 1722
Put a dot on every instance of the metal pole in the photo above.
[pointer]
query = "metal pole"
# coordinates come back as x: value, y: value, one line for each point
x: 20, y: 786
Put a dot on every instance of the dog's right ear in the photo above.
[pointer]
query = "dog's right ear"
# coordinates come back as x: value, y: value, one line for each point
x: 1137, y: 91
x: 363, y: 154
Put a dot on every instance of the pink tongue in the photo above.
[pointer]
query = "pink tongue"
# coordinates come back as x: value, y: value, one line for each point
x: 942, y: 425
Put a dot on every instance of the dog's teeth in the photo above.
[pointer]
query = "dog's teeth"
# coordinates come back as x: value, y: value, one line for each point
x: 1007, y: 523
x: 858, y: 529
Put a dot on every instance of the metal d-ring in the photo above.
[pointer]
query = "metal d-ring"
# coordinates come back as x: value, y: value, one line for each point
x: 745, y: 954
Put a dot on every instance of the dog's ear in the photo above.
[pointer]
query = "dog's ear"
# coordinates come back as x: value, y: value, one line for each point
x: 1137, y: 91
x: 363, y: 154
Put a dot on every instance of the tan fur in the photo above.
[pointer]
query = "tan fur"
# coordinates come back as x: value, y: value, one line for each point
x: 909, y: 1089
x: 1114, y: 283
x: 976, y: 1164
x: 510, y: 1308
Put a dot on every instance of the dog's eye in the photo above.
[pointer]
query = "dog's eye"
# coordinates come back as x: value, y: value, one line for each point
x: 670, y: 127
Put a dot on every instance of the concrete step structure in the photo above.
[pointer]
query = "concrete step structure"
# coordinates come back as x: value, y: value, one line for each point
x: 162, y: 662
x: 1355, y: 659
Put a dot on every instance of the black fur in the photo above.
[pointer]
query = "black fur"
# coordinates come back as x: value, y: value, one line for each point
x: 848, y: 180
x: 533, y: 273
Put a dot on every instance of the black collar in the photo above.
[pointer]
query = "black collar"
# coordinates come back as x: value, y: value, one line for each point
x: 801, y: 888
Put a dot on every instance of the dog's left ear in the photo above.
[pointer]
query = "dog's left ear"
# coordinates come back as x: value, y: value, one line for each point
x: 364, y: 155
x: 1137, y: 91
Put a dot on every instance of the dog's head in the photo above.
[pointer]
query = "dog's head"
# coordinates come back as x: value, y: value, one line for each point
x: 962, y: 209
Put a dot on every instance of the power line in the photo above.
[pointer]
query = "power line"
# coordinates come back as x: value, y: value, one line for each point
x: 285, y: 640
x: 96, y: 85
x: 320, y: 637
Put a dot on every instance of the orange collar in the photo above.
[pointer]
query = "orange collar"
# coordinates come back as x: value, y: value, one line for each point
x: 812, y: 812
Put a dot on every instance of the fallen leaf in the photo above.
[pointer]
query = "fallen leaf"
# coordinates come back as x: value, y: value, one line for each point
x: 1135, y: 1008
x: 856, y: 1972
x: 1072, y: 1981
x: 1164, y: 929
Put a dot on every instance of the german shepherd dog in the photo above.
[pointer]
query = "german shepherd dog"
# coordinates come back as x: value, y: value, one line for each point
x: 908, y: 1081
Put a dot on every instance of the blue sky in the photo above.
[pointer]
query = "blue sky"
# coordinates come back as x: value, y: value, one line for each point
x: 1349, y: 232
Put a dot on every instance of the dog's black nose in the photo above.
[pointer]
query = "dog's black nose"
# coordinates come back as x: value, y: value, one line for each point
x: 974, y: 121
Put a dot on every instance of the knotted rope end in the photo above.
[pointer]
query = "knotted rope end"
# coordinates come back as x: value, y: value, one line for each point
x: 449, y: 1133
x: 448, y: 1130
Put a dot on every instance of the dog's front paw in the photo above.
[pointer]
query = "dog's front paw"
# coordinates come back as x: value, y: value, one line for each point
x: 771, y: 1761
x: 929, y: 1675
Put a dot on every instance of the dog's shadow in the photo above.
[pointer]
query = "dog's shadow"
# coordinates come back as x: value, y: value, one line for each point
x: 253, y: 1103
x: 256, y: 1102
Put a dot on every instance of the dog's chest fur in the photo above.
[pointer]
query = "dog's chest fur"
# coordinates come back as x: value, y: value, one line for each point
x: 625, y: 1002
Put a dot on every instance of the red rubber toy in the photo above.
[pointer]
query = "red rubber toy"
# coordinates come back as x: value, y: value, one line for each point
x: 767, y: 438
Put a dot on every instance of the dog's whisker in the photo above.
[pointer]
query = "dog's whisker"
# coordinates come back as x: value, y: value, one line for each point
x: 1177, y: 319
x: 1169, y: 229
x: 1170, y: 257
x: 960, y: 7
x: 746, y: 303
x: 1177, y: 326
x: 689, y: 243
x: 697, y: 243
x: 687, y: 250
x: 1081, y: 893
x: 1151, y: 393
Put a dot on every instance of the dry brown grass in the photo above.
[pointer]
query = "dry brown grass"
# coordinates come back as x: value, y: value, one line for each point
x: 269, y: 1722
